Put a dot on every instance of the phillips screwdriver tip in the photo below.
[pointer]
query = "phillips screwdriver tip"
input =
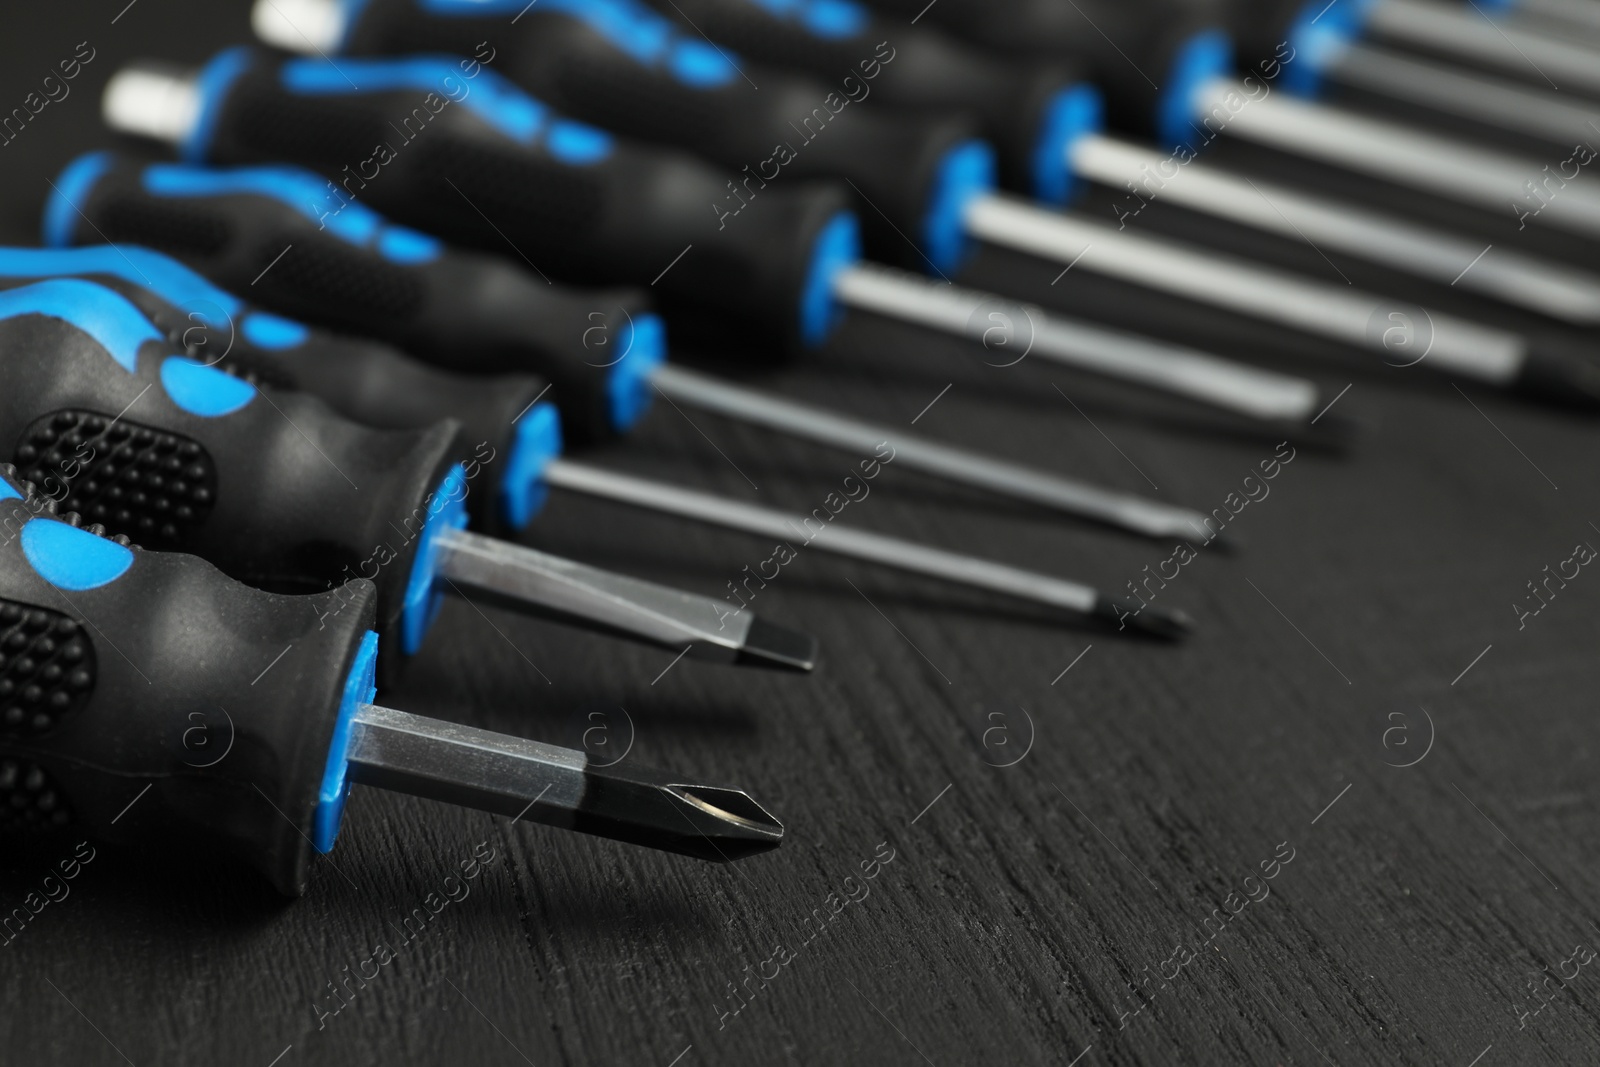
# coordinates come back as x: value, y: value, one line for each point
x: 1168, y: 623
x: 530, y: 780
x: 646, y: 807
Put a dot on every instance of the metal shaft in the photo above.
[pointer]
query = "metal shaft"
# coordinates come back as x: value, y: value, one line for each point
x: 1148, y: 517
x: 821, y: 533
x: 616, y: 603
x: 524, y: 779
x: 1520, y: 109
x: 1465, y: 32
x: 1030, y: 330
x: 1343, y: 313
x: 1575, y: 13
x: 1540, y: 285
x: 1491, y: 180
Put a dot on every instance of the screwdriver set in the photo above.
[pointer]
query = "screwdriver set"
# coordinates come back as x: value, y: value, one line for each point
x: 301, y: 351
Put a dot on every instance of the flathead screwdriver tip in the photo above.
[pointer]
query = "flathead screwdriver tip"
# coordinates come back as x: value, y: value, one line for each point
x: 769, y: 645
x: 1170, y: 624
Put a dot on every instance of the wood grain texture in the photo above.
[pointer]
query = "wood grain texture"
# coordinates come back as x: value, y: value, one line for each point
x: 1023, y: 902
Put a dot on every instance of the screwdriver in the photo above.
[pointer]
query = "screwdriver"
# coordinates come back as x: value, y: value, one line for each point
x: 618, y: 64
x: 81, y: 357
x: 791, y: 35
x: 779, y: 276
x: 1468, y: 33
x: 1554, y: 16
x: 1339, y: 55
x: 1541, y: 368
x: 1283, y: 48
x: 558, y: 50
x: 362, y: 380
x: 471, y: 311
x: 1552, y: 368
x: 369, y: 383
x: 278, y: 491
x: 125, y: 670
x: 1148, y: 58
x: 1546, y: 286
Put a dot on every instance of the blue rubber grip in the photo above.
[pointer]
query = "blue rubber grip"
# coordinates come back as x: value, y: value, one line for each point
x: 70, y: 558
x: 1318, y: 34
x: 1076, y: 111
x: 360, y: 687
x: 444, y: 510
x: 213, y: 85
x: 121, y: 329
x: 825, y: 19
x: 522, y: 486
x: 159, y: 274
x: 491, y: 97
x: 628, y: 388
x: 967, y: 171
x: 838, y: 247
x: 630, y: 25
x: 1203, y: 57
x: 313, y: 197
x: 67, y: 557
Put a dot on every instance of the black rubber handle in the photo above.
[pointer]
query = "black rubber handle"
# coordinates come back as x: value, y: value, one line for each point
x: 149, y: 699
x: 1263, y: 28
x: 1143, y: 52
x: 363, y: 380
x: 500, y: 171
x: 587, y: 58
x: 254, y: 229
x: 272, y: 488
x: 1024, y: 108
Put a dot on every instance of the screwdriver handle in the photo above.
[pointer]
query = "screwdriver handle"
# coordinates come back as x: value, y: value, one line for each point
x: 1030, y: 111
x: 148, y: 698
x: 624, y: 67
x: 272, y: 488
x: 353, y: 270
x: 1150, y: 57
x: 454, y: 149
x: 362, y: 380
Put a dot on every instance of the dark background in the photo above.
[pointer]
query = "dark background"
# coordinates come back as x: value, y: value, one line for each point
x: 1022, y: 900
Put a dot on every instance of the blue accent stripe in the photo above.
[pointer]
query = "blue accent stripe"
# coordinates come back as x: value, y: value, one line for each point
x: 487, y: 94
x: 522, y: 487
x: 1203, y: 57
x: 73, y: 559
x: 838, y: 246
x: 313, y: 197
x: 9, y: 491
x: 1076, y: 111
x: 107, y: 316
x: 152, y: 271
x: 831, y: 19
x: 274, y: 332
x: 631, y: 26
x: 967, y: 171
x: 1319, y: 34
x: 214, y: 83
x: 202, y: 390
x: 360, y: 687
x: 628, y: 388
x: 447, y: 510
x: 72, y: 189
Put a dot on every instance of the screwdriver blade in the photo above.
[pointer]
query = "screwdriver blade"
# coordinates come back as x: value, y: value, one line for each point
x: 538, y: 583
x: 530, y: 780
x: 912, y: 556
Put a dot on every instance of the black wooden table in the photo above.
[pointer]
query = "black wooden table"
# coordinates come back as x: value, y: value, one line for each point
x: 1347, y: 822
